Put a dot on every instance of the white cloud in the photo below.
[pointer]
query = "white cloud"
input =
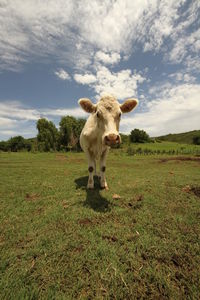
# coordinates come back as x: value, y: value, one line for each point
x: 75, y: 112
x: 62, y: 74
x: 185, y: 39
x: 11, y: 111
x: 192, y: 63
x: 107, y: 58
x: 182, y: 76
x: 189, y: 43
x: 6, y: 122
x: 159, y: 23
x: 17, y: 119
x: 32, y: 29
x: 14, y: 109
x: 121, y: 84
x: 19, y: 126
x: 8, y: 132
x: 85, y: 79
x: 25, y: 129
x: 176, y: 109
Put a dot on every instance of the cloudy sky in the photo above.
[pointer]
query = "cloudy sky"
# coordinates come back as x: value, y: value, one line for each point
x: 54, y: 52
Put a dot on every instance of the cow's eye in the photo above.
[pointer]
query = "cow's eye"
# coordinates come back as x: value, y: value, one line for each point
x: 98, y: 115
x: 120, y: 115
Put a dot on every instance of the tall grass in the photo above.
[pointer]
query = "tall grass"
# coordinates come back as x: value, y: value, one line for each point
x: 164, y: 148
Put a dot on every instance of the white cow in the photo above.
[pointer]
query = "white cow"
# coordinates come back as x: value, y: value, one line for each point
x: 102, y: 131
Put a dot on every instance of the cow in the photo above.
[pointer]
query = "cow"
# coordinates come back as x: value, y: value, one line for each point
x: 101, y: 131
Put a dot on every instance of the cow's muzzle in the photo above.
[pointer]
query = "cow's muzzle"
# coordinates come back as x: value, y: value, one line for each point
x: 112, y: 139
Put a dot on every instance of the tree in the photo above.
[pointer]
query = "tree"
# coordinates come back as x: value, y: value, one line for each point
x: 196, y: 140
x: 47, y: 137
x: 18, y: 143
x: 139, y: 136
x: 67, y: 127
x: 124, y: 138
x: 27, y: 145
x: 4, y: 146
x: 70, y: 130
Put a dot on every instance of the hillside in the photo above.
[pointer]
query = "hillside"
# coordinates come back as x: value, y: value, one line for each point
x: 183, y: 138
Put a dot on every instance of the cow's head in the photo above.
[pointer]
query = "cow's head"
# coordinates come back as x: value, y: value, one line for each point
x: 107, y: 113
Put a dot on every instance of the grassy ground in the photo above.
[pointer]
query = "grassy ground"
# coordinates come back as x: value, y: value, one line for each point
x: 61, y: 241
x: 166, y: 147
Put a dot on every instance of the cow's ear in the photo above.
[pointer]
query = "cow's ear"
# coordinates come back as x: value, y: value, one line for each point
x: 87, y: 105
x: 128, y: 105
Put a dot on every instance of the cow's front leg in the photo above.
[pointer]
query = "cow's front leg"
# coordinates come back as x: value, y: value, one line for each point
x: 103, y: 182
x: 91, y: 169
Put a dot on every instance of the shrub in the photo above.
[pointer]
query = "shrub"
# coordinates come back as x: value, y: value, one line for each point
x: 130, y: 151
x: 139, y: 136
x: 196, y: 140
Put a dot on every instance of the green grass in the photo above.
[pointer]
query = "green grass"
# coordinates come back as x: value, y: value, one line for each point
x: 164, y: 145
x: 61, y: 241
x: 161, y: 148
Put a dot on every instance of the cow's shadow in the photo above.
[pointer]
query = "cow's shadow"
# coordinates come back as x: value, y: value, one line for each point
x: 93, y: 199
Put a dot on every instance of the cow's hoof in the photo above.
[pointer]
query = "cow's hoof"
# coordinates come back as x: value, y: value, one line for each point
x: 90, y: 186
x: 104, y: 186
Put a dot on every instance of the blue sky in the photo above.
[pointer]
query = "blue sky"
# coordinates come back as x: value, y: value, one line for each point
x: 54, y: 52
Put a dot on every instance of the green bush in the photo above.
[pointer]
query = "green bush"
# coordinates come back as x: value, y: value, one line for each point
x: 130, y: 151
x: 196, y: 140
x: 139, y: 136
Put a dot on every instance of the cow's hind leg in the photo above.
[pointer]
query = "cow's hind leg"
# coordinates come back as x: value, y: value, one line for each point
x: 91, y: 169
x: 103, y: 182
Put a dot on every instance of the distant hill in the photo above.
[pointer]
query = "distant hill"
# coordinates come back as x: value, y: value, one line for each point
x: 183, y: 138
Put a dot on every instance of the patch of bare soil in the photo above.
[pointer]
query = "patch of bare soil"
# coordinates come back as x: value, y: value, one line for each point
x: 79, y: 249
x: 180, y: 158
x: 196, y: 190
x: 140, y: 198
x: 192, y: 189
x: 65, y: 204
x: 136, y: 202
x: 77, y: 160
x: 31, y: 197
x: 125, y: 165
x: 110, y: 238
x: 85, y: 221
x: 61, y: 157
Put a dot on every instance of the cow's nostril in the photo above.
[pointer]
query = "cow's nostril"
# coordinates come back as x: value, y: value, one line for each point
x: 112, y: 138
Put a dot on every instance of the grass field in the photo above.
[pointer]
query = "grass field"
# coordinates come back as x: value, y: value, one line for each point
x: 165, y: 148
x: 61, y: 241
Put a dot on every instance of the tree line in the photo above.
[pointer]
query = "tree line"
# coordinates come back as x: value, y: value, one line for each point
x: 49, y: 137
x: 64, y: 138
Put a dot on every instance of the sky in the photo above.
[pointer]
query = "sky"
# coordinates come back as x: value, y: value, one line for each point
x: 54, y: 52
